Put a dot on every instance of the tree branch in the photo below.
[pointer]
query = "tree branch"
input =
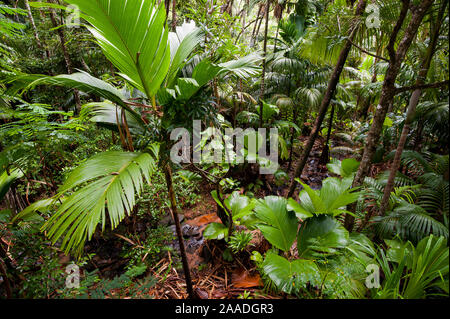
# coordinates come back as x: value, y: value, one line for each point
x: 396, y: 30
x: 367, y: 52
x: 421, y: 86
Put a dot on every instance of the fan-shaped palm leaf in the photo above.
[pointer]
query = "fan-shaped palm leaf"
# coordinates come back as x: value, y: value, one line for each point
x: 105, y: 184
x: 133, y: 37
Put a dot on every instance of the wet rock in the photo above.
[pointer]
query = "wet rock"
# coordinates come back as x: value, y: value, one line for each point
x: 189, y: 231
x: 168, y: 220
x: 258, y: 241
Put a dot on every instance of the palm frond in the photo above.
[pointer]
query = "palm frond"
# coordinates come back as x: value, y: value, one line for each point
x: 105, y: 184
x: 133, y: 36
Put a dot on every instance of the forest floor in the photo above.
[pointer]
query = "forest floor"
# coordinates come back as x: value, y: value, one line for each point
x: 213, y: 277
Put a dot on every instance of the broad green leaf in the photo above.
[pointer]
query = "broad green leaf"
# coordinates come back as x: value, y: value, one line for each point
x: 335, y: 193
x: 321, y: 235
x: 317, y: 202
x: 291, y: 276
x: 349, y: 166
x: 269, y: 110
x: 344, y: 168
x: 300, y: 212
x: 279, y: 226
x: 215, y: 231
x: 240, y: 205
x: 182, y: 43
x: 133, y: 36
x: 244, y: 67
x: 205, y: 71
x: 186, y: 88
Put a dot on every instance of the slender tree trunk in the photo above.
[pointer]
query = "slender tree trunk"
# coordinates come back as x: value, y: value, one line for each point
x: 412, y: 110
x: 332, y: 84
x: 388, y: 91
x: 419, y: 136
x: 230, y: 7
x: 33, y: 25
x: 263, y: 75
x: 279, y: 17
x: 167, y: 7
x: 244, y: 15
x: 259, y: 17
x: 366, y: 104
x: 291, y: 151
x: 174, y: 15
x: 326, y: 150
x: 174, y: 210
x: 6, y: 280
x: 62, y: 40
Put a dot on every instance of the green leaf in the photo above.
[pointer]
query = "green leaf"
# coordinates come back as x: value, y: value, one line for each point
x: 243, y: 68
x: 240, y: 205
x: 345, y: 168
x: 314, y: 197
x: 133, y: 36
x: 429, y: 267
x: 290, y: 276
x: 349, y: 166
x: 31, y: 211
x: 6, y: 179
x: 215, y: 231
x: 205, y: 71
x: 113, y: 179
x: 5, y: 215
x: 279, y: 226
x: 321, y: 235
x: 335, y: 193
x: 182, y: 43
x: 110, y: 115
x: 269, y: 110
x: 186, y: 88
x: 300, y: 212
x: 83, y: 82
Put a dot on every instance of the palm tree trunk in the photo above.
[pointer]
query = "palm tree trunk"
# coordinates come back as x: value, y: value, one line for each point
x: 411, y: 110
x: 167, y: 7
x: 326, y: 150
x: 244, y: 15
x: 33, y: 25
x: 388, y: 91
x: 263, y: 75
x: 332, y: 84
x: 174, y: 210
x: 257, y: 25
x: 174, y: 15
x: 291, y: 151
x: 62, y: 41
x: 279, y: 16
x: 366, y: 103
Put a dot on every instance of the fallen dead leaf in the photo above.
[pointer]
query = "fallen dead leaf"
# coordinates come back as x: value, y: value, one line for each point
x: 201, y: 293
x: 204, y: 220
x: 243, y: 279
